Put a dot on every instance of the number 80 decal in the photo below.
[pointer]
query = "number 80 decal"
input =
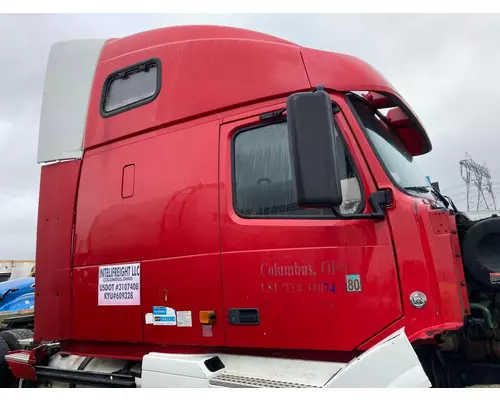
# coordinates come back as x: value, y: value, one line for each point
x: 353, y: 283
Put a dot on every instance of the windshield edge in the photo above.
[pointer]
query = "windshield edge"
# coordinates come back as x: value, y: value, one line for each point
x: 427, y: 196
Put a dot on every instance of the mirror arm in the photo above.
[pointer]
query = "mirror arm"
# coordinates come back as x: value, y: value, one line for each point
x: 272, y: 114
x: 378, y: 201
x: 279, y: 113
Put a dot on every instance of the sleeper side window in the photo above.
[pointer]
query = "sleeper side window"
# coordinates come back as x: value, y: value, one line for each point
x: 131, y: 87
x: 263, y: 176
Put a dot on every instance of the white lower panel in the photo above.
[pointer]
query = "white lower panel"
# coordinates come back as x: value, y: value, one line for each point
x: 390, y: 363
x: 181, y: 370
x: 152, y: 379
x: 301, y: 372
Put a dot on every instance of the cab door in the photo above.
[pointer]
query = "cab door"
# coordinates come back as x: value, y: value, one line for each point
x: 295, y: 278
x: 161, y: 217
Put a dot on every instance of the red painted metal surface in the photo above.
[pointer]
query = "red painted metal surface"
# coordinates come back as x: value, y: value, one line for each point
x: 101, y: 323
x: 407, y: 126
x: 298, y: 311
x: 173, y: 213
x: 208, y: 69
x: 346, y: 73
x: 199, y: 77
x: 23, y: 370
x: 157, y: 37
x: 426, y: 264
x: 342, y: 72
x: 136, y: 351
x: 58, y: 187
x: 128, y: 181
x: 184, y: 284
x: 459, y: 267
x: 424, y: 254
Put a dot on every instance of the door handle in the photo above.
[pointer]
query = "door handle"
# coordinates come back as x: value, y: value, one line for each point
x: 243, y: 316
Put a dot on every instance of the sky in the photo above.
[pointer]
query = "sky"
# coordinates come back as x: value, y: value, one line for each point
x: 445, y: 66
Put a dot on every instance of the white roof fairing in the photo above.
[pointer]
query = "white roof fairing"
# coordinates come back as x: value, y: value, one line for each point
x: 66, y: 94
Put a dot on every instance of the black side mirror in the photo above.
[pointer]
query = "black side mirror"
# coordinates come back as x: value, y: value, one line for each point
x: 311, y: 134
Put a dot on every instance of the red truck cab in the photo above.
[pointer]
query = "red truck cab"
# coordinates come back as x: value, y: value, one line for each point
x: 171, y: 220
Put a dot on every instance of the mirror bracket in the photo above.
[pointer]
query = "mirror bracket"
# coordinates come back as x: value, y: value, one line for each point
x: 378, y: 202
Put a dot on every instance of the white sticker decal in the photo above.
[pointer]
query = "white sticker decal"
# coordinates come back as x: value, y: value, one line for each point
x: 120, y: 285
x: 184, y: 319
x: 353, y: 283
x: 207, y: 330
x: 164, y: 316
x: 149, y: 318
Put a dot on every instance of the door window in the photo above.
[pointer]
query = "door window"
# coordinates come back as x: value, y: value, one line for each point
x: 263, y: 176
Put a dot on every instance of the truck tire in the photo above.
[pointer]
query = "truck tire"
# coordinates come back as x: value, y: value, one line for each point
x: 21, y: 333
x: 11, y: 340
x: 6, y: 378
x: 481, y: 255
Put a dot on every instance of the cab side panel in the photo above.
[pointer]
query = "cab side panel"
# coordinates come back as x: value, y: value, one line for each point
x: 151, y: 200
x: 58, y: 187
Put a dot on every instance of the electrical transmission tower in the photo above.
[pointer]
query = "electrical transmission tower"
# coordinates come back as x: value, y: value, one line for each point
x: 477, y: 178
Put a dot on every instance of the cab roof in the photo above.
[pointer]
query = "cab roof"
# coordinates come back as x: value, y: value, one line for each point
x: 203, y: 70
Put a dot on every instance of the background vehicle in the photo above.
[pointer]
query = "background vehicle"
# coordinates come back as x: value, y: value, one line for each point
x: 13, y: 269
x: 17, y: 294
x: 224, y: 208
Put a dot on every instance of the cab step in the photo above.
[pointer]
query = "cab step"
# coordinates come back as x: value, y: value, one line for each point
x: 241, y: 381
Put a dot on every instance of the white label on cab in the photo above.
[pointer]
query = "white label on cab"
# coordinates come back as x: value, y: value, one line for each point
x: 120, y: 285
x: 184, y: 319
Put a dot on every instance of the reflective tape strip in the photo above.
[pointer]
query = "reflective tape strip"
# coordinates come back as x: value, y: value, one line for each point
x: 18, y: 357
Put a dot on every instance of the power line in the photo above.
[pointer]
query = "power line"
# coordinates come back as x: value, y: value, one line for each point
x: 479, y: 185
x: 460, y: 187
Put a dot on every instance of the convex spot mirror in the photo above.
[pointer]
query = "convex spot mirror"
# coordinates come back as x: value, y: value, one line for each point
x: 311, y: 134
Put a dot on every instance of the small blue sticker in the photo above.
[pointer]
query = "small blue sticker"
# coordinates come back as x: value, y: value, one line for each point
x: 164, y: 316
x: 159, y: 310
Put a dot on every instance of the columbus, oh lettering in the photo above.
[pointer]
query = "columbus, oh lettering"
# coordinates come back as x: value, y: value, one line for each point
x: 295, y: 269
